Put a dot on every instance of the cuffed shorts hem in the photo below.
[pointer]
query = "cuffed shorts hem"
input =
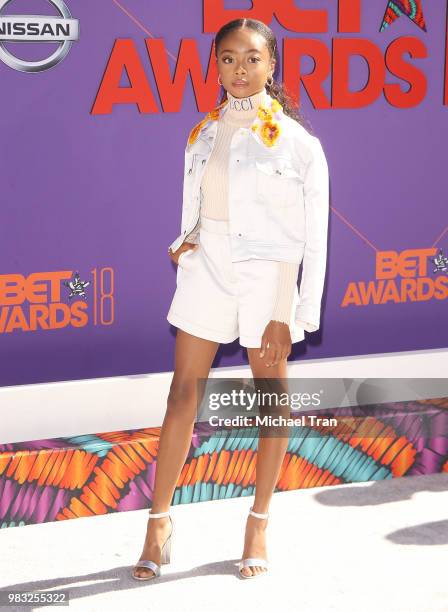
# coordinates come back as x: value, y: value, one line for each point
x: 199, y: 330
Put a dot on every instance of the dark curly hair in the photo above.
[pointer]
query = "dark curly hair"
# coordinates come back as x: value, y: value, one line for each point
x: 277, y: 90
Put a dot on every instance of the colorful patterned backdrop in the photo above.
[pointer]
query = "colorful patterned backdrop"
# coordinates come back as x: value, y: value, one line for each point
x: 67, y: 478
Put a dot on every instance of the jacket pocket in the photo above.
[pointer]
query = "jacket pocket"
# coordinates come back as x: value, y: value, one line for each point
x: 184, y: 260
x: 278, y: 182
x: 280, y: 199
x: 191, y: 164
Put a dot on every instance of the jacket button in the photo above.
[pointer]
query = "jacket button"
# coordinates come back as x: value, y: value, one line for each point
x: 239, y: 234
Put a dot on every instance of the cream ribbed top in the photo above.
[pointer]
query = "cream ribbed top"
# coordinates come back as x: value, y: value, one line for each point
x: 240, y: 112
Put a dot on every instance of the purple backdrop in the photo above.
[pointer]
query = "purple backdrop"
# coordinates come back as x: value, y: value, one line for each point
x: 82, y: 192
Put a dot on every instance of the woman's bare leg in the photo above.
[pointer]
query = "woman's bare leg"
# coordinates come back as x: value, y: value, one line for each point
x: 193, y: 359
x: 270, y: 455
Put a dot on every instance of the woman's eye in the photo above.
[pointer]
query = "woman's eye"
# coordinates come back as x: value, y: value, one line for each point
x: 257, y: 59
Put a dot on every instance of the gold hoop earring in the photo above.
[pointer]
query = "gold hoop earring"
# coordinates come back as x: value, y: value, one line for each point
x: 219, y: 77
x: 269, y: 84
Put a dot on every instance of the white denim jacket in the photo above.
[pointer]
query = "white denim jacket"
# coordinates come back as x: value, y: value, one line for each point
x: 278, y: 196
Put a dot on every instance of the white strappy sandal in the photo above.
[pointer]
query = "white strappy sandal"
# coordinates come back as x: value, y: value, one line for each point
x: 253, y: 561
x: 165, y: 553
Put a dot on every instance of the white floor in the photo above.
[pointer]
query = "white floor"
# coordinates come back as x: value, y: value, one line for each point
x: 359, y: 547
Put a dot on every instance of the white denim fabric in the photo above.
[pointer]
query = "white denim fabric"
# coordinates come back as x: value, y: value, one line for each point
x: 222, y: 300
x: 278, y: 202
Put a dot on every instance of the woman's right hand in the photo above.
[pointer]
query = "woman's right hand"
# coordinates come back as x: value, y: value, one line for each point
x: 186, y: 246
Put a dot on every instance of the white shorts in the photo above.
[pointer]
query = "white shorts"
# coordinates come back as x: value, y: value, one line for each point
x: 221, y: 300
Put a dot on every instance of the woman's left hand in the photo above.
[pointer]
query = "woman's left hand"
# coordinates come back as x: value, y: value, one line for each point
x: 275, y: 342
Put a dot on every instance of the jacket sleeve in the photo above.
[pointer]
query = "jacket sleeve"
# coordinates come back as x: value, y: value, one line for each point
x: 181, y: 238
x: 316, y: 197
x: 287, y: 282
x: 193, y: 236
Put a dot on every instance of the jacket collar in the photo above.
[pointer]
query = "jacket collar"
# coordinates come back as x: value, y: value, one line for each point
x: 266, y: 128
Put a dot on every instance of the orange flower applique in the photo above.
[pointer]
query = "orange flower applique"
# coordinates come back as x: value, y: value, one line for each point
x: 195, y: 132
x: 269, y: 131
x: 213, y: 115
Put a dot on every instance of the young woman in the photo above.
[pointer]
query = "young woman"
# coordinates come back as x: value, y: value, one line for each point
x: 255, y: 206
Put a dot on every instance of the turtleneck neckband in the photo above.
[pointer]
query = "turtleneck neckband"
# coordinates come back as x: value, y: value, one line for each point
x: 242, y: 110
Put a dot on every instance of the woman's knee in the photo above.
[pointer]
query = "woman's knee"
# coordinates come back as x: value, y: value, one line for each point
x: 182, y: 399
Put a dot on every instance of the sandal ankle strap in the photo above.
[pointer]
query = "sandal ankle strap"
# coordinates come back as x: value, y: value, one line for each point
x: 159, y: 514
x: 258, y: 515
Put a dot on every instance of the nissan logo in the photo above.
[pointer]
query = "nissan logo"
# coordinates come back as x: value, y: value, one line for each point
x: 37, y: 28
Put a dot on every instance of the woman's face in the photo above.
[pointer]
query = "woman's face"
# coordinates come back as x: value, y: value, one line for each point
x: 243, y: 62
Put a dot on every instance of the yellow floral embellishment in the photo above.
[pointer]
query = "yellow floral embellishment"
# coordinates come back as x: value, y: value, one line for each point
x: 264, y: 113
x: 275, y: 106
x: 269, y: 131
x: 269, y: 128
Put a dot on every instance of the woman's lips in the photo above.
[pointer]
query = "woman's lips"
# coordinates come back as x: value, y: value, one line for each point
x: 240, y: 83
